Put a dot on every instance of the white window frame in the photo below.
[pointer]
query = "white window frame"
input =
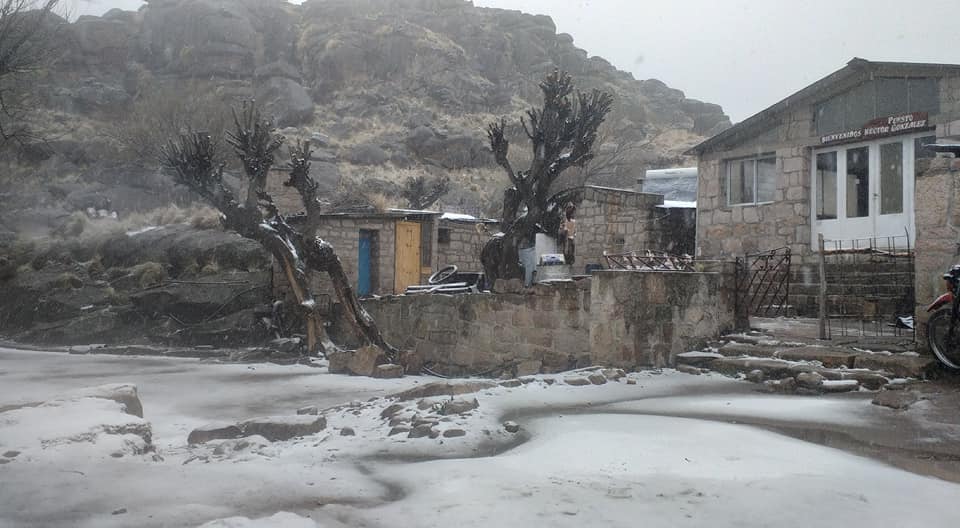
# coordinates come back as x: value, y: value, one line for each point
x: 874, y: 225
x: 729, y: 164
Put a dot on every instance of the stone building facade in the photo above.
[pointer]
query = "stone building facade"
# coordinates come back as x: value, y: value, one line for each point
x: 460, y: 239
x: 367, y: 246
x: 842, y: 158
x: 621, y: 221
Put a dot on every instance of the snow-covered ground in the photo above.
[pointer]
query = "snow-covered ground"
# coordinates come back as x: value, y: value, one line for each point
x: 615, y: 454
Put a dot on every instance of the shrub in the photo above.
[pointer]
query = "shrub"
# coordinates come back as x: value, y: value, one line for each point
x: 149, y: 274
x: 68, y: 281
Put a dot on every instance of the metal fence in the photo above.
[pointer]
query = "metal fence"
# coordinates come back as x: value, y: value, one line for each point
x: 866, y: 287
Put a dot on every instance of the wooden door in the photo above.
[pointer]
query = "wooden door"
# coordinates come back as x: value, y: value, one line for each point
x: 407, y: 256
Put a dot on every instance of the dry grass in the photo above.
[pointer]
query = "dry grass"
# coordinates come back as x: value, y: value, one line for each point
x: 149, y: 274
x: 68, y: 281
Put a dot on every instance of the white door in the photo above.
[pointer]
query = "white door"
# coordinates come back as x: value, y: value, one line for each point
x: 865, y: 191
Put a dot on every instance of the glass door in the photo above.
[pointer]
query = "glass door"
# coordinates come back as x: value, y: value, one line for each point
x: 865, y: 190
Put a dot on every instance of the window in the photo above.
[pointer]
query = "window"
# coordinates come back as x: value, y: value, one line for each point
x: 891, y: 178
x: 858, y: 182
x: 751, y: 181
x: 443, y: 236
x: 827, y: 186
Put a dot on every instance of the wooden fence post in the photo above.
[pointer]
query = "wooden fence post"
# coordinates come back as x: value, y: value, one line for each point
x: 823, y: 288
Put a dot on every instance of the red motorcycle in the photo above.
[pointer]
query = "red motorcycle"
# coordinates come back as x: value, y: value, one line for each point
x: 943, y: 327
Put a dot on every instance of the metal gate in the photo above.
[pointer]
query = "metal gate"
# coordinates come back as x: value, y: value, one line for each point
x: 763, y: 282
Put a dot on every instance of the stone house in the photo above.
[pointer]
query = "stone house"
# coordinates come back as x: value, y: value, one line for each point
x: 460, y: 238
x: 623, y: 221
x: 842, y: 158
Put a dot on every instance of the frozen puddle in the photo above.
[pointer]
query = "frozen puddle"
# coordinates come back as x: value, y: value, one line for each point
x: 620, y: 470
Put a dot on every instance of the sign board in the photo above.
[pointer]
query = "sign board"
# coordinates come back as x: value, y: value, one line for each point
x: 881, y: 127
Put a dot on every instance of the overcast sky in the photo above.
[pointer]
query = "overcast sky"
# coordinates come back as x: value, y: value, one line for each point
x: 742, y: 54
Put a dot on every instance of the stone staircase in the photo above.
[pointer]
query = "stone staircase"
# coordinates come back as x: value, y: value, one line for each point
x: 809, y: 365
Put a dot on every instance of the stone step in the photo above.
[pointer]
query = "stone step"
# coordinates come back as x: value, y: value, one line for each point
x: 829, y: 357
x: 736, y: 349
x: 771, y: 368
x: 760, y: 369
x: 905, y: 365
x: 697, y: 358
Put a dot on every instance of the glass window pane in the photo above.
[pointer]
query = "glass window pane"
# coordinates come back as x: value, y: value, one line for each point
x: 741, y: 181
x: 858, y: 182
x: 891, y: 178
x: 827, y: 186
x: 766, y: 179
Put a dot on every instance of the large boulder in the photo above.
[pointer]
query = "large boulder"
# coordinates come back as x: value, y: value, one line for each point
x: 99, y: 423
x: 192, y: 303
x: 364, y: 361
x: 285, y: 100
x: 123, y: 393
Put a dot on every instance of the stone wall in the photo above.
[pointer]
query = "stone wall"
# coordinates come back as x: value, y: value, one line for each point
x: 617, y: 318
x: 938, y: 232
x: 463, y: 245
x: 620, y: 221
x: 646, y: 319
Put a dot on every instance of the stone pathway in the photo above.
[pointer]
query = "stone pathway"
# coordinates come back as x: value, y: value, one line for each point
x: 785, y: 361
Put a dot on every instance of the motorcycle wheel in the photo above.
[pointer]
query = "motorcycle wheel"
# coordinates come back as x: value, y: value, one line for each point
x: 943, y: 345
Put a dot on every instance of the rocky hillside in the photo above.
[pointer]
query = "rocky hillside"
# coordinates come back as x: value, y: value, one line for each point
x: 385, y: 88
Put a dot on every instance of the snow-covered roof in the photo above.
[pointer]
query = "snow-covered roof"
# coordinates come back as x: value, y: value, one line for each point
x: 678, y: 204
x: 458, y: 216
x: 688, y: 172
x: 461, y: 217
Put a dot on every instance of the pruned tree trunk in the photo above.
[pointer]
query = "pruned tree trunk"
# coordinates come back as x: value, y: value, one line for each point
x: 192, y: 160
x: 562, y: 134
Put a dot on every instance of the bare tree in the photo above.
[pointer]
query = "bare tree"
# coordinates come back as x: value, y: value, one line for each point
x: 562, y: 134
x: 27, y: 29
x: 192, y: 160
x: 421, y: 192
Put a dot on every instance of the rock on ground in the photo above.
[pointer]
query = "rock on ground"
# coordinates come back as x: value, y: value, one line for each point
x: 896, y: 399
x: 209, y: 432
x: 276, y: 428
x: 458, y: 406
x: 442, y: 388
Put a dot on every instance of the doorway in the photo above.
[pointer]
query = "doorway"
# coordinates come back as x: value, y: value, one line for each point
x: 367, y: 262
x: 407, y: 256
x: 866, y: 190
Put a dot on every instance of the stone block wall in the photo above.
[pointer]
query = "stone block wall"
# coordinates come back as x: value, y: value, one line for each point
x: 938, y: 232
x: 619, y: 221
x: 546, y: 327
x: 618, y: 318
x: 646, y: 319
x: 464, y: 244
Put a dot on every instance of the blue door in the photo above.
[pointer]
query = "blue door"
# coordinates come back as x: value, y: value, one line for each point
x: 363, y: 275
